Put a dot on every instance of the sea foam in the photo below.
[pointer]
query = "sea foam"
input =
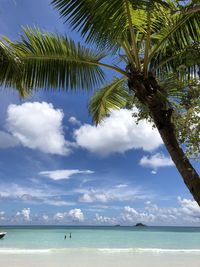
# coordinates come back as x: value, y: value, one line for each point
x: 148, y: 250
x: 24, y: 251
x: 99, y: 250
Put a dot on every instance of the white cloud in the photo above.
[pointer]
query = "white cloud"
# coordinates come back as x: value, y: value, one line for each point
x: 38, y: 126
x: 95, y: 197
x: 104, y: 219
x: 189, y: 207
x: 7, y: 140
x: 187, y: 213
x: 59, y: 216
x: 121, y: 185
x: 113, y: 194
x: 15, y: 191
x: 57, y: 202
x: 156, y: 161
x: 38, y: 195
x: 24, y: 215
x: 130, y: 215
x: 45, y: 218
x: 12, y: 190
x: 73, y: 120
x: 2, y: 216
x: 74, y: 215
x: 118, y: 133
x: 63, y: 174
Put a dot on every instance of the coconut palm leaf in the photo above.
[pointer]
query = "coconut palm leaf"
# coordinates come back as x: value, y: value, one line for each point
x: 181, y: 31
x: 113, y: 96
x: 105, y: 23
x: 54, y: 61
x: 184, y: 63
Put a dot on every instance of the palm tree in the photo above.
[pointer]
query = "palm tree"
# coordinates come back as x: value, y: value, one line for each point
x: 154, y: 45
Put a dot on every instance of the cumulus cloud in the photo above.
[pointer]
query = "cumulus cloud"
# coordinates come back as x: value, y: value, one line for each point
x: 187, y: 213
x: 189, y: 207
x: 63, y: 174
x: 74, y: 215
x: 38, y: 126
x: 118, y: 133
x: 156, y: 161
x: 59, y: 216
x: 24, y: 215
x: 130, y: 215
x: 104, y: 219
x: 7, y: 140
x: 73, y: 120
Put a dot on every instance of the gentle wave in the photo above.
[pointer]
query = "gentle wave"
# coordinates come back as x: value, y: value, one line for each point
x: 98, y: 250
x: 24, y: 251
x: 148, y: 250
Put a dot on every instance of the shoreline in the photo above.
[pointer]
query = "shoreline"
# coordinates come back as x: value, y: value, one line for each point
x: 99, y: 251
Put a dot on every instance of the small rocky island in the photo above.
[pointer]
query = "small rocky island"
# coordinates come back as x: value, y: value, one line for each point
x: 140, y: 225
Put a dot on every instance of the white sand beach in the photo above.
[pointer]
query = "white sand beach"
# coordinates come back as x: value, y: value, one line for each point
x: 85, y: 259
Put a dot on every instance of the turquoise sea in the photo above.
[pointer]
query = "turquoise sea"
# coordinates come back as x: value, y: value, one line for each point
x: 104, y: 239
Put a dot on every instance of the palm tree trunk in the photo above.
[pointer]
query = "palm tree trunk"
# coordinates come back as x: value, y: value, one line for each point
x: 183, y: 165
x: 147, y: 93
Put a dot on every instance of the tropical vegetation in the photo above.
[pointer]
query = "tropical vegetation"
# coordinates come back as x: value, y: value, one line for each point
x: 154, y: 46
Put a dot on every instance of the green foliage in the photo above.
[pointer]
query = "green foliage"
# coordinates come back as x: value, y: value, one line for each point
x: 54, y: 61
x: 113, y: 96
x: 187, y: 119
x: 104, y: 23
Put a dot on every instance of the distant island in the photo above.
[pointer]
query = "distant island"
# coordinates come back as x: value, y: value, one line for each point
x: 140, y: 225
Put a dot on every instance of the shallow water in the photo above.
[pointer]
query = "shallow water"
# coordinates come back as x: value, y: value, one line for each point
x: 100, y: 246
x: 113, y: 238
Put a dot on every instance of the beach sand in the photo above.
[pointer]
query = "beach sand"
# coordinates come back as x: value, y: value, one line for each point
x: 85, y: 259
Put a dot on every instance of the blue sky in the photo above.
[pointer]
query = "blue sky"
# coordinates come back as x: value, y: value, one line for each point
x: 58, y: 168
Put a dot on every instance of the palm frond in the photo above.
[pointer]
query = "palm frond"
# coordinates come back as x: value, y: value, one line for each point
x: 172, y: 87
x: 177, y: 93
x: 54, y: 61
x: 104, y: 23
x: 182, y: 63
x: 177, y: 33
x: 113, y: 96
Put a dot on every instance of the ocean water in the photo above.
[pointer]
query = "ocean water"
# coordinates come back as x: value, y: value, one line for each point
x: 45, y: 246
x: 103, y: 239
